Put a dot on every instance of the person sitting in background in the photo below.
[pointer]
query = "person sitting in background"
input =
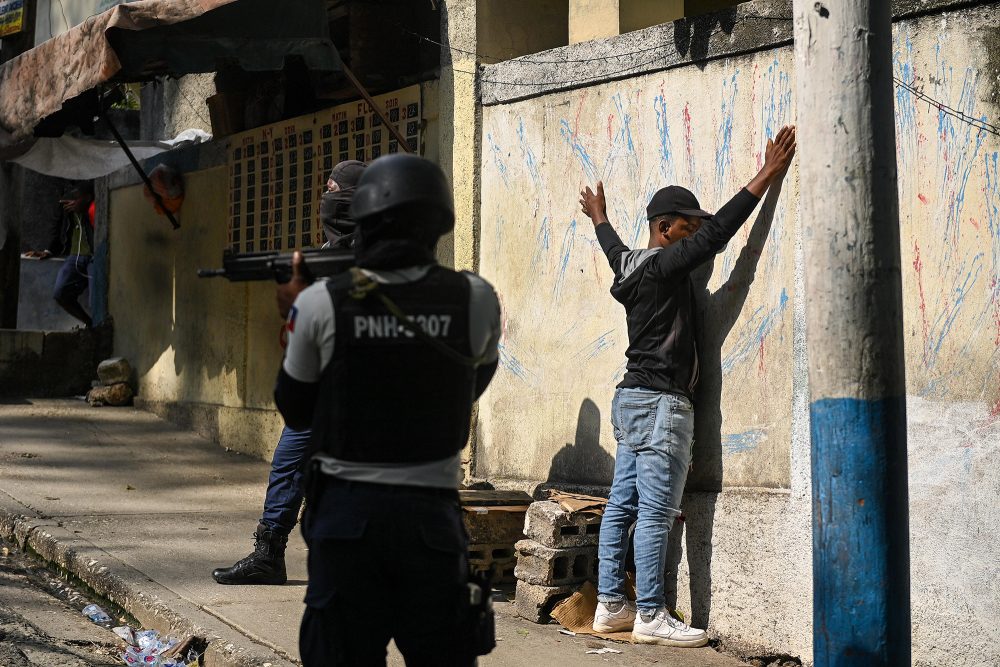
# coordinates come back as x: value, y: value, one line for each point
x: 335, y: 204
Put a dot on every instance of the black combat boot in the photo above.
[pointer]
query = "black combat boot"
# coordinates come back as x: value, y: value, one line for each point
x: 265, y: 565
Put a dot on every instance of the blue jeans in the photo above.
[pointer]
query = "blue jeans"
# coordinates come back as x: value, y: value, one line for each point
x: 654, y: 431
x: 73, y: 278
x: 284, y: 487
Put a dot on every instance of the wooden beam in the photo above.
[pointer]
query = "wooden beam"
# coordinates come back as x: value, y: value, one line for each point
x: 400, y: 139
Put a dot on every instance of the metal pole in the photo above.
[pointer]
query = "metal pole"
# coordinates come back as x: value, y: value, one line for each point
x: 849, y: 209
x: 379, y: 111
x: 142, y: 172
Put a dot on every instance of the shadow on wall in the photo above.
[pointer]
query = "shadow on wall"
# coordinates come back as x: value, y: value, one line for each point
x: 185, y: 336
x: 152, y: 289
x: 717, y: 314
x: 583, y: 461
x: 693, y: 35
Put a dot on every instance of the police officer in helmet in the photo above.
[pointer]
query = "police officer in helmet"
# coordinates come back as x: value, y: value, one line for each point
x: 384, y: 363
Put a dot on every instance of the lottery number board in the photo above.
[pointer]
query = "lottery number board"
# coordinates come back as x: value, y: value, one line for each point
x: 278, y: 172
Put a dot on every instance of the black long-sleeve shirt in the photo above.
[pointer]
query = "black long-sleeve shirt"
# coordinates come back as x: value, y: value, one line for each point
x: 654, y: 285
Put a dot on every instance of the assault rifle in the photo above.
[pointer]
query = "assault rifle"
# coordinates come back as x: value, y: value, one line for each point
x: 276, y: 266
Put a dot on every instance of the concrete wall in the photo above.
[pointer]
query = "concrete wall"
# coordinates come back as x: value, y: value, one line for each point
x: 745, y: 556
x: 949, y: 190
x: 564, y: 336
x: 184, y: 104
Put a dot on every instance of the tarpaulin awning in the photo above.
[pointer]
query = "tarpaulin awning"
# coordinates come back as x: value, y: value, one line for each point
x: 79, y: 159
x: 146, y: 38
x: 82, y: 159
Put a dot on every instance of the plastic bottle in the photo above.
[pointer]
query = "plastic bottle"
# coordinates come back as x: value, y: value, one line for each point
x: 96, y: 614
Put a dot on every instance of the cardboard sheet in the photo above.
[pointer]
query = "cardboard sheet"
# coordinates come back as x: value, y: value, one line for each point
x: 576, y: 613
x: 578, y: 502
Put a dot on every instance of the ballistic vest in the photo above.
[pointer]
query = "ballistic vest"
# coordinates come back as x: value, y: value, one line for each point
x: 386, y: 396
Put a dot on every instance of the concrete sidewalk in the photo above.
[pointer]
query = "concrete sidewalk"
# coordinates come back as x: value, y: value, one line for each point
x: 142, y: 511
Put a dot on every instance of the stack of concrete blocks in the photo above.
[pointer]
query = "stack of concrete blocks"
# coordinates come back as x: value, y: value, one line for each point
x: 114, y: 383
x: 559, y: 554
x: 494, y: 521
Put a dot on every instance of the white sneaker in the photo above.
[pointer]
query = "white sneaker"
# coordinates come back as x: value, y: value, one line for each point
x: 665, y: 630
x: 607, y: 621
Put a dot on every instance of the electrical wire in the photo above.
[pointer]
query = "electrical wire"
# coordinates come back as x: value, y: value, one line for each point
x: 79, y: 245
x: 978, y: 123
x: 603, y: 76
x: 530, y: 61
x: 62, y: 8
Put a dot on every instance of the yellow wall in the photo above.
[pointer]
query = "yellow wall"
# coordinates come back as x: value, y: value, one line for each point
x: 511, y: 28
x: 639, y: 14
x: 459, y: 133
x: 592, y: 19
x: 206, y: 350
x: 208, y: 344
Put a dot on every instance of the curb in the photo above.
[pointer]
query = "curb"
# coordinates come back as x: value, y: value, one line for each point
x: 150, y: 603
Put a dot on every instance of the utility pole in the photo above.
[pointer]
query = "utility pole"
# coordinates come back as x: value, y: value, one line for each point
x: 850, y: 217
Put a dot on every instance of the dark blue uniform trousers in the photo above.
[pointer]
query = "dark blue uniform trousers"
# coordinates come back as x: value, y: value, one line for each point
x: 284, y: 487
x: 385, y: 562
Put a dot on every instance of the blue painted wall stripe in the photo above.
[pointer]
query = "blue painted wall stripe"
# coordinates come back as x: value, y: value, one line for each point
x: 861, y: 573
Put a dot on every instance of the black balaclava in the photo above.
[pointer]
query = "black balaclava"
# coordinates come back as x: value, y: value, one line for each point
x: 334, y: 207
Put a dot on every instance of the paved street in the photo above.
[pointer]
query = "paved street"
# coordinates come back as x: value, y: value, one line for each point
x: 142, y: 511
x: 40, y: 619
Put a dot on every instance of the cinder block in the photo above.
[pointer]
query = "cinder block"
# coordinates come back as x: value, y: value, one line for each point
x: 542, y: 566
x: 501, y: 556
x: 493, y: 526
x: 535, y: 603
x: 547, y: 523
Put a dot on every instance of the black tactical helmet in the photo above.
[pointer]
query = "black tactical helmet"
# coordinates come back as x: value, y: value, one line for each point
x: 400, y: 180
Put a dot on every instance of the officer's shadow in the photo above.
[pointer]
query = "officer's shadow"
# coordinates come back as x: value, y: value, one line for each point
x: 717, y: 313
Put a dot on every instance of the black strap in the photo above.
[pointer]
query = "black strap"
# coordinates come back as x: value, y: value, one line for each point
x: 363, y: 287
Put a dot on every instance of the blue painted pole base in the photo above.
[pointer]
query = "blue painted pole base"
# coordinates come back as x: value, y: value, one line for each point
x: 861, y: 551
